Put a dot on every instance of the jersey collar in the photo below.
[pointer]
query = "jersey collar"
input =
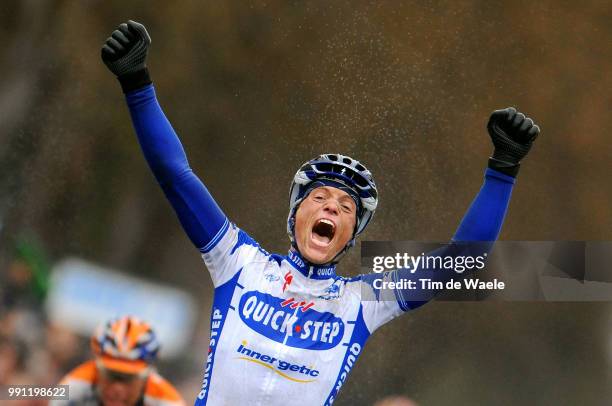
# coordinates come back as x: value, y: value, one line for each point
x: 310, y: 270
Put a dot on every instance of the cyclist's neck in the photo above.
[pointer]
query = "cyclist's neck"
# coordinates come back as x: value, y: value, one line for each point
x: 308, y: 269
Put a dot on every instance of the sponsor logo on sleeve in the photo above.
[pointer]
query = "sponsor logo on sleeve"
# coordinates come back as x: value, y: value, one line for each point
x: 349, y: 361
x: 215, y: 325
x: 271, y: 277
x: 332, y: 291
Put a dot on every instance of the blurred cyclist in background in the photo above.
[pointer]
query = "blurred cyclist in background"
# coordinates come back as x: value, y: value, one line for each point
x: 122, y: 371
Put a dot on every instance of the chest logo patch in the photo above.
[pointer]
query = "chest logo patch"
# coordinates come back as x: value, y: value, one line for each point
x: 271, y: 317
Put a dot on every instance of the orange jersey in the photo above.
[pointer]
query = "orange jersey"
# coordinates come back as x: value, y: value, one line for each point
x: 82, y: 381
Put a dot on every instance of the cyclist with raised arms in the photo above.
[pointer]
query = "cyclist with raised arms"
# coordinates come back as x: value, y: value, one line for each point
x: 287, y: 328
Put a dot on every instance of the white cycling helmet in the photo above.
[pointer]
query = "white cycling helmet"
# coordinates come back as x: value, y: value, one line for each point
x: 339, y: 171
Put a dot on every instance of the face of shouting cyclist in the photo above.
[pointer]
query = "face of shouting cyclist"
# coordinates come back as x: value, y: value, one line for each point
x: 324, y: 223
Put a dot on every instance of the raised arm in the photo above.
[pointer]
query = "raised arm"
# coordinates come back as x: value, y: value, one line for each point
x: 125, y: 53
x: 512, y: 134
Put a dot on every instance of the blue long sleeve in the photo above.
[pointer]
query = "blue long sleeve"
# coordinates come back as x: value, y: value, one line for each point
x: 199, y: 214
x: 484, y: 218
x: 475, y: 235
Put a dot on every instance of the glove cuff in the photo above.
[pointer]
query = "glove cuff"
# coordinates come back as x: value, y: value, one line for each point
x: 135, y: 80
x: 504, y: 167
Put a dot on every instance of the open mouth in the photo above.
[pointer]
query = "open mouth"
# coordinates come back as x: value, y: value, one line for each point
x: 323, y: 231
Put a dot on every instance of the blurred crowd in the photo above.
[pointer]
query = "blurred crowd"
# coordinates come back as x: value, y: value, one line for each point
x: 32, y: 351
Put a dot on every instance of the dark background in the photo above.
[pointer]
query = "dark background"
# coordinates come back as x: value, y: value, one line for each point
x: 256, y: 88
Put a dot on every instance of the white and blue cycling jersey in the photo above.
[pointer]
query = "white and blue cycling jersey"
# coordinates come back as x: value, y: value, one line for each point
x: 282, y: 330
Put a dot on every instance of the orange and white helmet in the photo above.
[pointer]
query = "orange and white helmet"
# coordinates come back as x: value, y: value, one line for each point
x: 125, y: 344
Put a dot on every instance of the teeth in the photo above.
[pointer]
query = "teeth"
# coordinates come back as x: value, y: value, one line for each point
x: 327, y: 222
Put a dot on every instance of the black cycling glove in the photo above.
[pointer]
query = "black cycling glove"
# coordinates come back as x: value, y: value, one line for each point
x: 125, y: 53
x: 512, y: 134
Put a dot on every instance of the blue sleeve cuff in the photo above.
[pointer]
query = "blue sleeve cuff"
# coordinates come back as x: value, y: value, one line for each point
x: 492, y: 173
x: 139, y: 95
